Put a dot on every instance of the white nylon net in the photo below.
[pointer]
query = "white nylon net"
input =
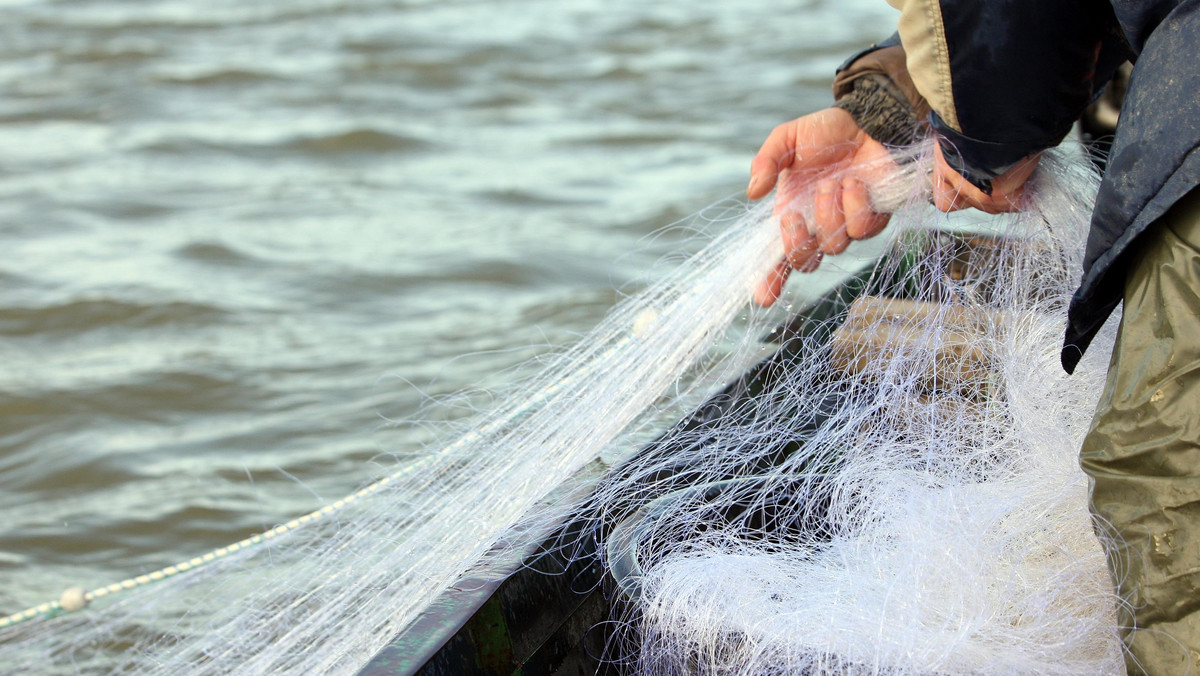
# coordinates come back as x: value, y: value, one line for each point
x: 918, y: 506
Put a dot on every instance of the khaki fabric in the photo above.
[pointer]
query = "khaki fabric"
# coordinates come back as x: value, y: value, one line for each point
x: 1143, y: 451
x: 924, y: 38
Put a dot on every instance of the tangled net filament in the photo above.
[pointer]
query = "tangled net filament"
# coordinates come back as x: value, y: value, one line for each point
x: 915, y: 507
x: 903, y: 495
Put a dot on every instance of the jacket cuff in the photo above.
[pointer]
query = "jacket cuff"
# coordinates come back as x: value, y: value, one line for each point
x: 874, y: 87
x: 881, y: 112
x: 981, y: 161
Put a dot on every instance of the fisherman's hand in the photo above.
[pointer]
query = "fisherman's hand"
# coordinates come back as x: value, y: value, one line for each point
x: 952, y: 192
x: 829, y: 150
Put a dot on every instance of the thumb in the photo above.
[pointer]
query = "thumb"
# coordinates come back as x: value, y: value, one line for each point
x: 810, y: 143
x: 776, y: 153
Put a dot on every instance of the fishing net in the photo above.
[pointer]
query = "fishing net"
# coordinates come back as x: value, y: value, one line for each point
x: 891, y: 488
x: 900, y: 492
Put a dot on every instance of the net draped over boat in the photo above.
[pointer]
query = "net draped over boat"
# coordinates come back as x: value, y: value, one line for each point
x: 914, y: 503
x: 902, y: 497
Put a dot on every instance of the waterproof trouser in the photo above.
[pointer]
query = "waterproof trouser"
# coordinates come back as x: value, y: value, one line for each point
x: 1142, y: 454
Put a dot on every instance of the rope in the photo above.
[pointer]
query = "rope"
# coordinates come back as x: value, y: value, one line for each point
x: 76, y: 599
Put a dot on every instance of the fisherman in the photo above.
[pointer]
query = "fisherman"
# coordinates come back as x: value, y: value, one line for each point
x: 997, y: 83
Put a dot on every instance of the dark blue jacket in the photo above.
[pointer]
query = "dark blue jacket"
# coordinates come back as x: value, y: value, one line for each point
x: 1153, y: 161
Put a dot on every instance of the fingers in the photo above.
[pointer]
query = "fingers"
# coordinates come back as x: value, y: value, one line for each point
x: 835, y: 221
x: 1010, y: 185
x: 842, y: 212
x: 776, y: 153
x: 803, y: 252
x: 861, y: 220
x: 793, y: 155
x: 810, y: 143
x: 948, y: 191
x: 830, y: 219
x: 769, y: 290
x: 952, y: 192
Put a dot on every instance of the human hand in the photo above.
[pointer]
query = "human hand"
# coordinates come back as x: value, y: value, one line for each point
x: 952, y: 192
x: 826, y: 150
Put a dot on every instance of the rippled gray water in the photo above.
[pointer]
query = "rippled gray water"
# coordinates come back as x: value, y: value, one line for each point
x: 238, y: 238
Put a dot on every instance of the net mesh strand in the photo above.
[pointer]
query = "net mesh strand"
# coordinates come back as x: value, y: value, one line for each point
x: 915, y: 505
x: 903, y: 495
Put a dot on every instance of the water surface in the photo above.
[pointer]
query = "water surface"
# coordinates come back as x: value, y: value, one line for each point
x: 238, y: 240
